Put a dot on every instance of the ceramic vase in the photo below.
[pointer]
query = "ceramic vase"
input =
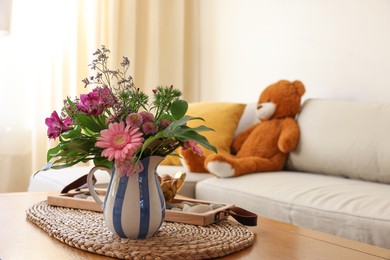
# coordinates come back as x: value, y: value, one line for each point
x: 134, y: 206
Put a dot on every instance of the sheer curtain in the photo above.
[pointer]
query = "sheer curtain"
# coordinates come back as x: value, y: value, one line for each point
x: 47, y: 52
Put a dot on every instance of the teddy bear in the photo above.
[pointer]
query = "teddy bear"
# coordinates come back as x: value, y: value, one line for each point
x: 264, y: 146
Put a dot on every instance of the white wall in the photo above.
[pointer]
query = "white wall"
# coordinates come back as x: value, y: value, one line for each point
x: 338, y: 48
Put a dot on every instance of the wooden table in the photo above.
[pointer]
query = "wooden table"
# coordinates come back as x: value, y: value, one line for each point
x: 20, y: 239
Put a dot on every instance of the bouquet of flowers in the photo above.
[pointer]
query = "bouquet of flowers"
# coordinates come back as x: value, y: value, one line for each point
x: 115, y: 122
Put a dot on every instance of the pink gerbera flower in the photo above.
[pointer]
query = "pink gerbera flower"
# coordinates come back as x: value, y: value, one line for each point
x: 120, y: 142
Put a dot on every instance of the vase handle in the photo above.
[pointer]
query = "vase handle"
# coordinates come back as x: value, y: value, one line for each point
x: 90, y: 183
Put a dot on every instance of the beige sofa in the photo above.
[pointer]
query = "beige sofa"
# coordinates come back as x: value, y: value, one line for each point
x: 336, y: 181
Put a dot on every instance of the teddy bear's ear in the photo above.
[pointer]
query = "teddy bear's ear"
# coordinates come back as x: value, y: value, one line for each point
x: 300, y: 87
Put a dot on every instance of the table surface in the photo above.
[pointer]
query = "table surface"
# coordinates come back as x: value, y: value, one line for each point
x: 20, y: 239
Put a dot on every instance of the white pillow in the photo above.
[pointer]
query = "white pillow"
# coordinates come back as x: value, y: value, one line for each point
x: 56, y: 180
x: 247, y: 119
x: 350, y: 139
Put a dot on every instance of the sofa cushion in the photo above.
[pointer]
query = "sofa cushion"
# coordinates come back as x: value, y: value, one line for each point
x: 223, y: 117
x: 248, y: 118
x: 56, y: 180
x: 349, y: 139
x: 354, y: 209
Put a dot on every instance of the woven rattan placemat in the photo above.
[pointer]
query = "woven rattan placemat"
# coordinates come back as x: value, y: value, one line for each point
x: 86, y: 230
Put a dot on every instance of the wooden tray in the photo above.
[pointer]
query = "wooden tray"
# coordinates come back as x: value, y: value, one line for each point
x: 200, y: 219
x: 83, y: 200
x: 78, y: 200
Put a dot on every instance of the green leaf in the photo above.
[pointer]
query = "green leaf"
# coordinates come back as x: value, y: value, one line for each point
x: 168, y: 132
x: 59, y: 165
x: 179, y: 108
x: 71, y: 105
x: 68, y: 161
x: 53, y: 152
x: 74, y: 133
x: 174, y: 154
x: 185, y: 128
x: 90, y: 122
x: 74, y: 153
x: 150, y: 140
x: 168, y: 117
x: 200, y: 139
x: 76, y: 146
x: 100, y: 161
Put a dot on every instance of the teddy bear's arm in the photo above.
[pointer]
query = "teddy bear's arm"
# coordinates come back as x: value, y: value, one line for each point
x: 241, y: 138
x: 289, y: 136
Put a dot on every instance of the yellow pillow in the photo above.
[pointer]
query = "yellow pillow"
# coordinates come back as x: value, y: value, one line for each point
x: 223, y: 117
x: 171, y: 160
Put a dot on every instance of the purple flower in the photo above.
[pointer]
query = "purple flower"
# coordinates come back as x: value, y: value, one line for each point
x: 125, y: 62
x: 96, y: 101
x: 107, y: 98
x: 164, y: 123
x: 134, y: 120
x: 86, y: 81
x: 90, y: 104
x: 149, y: 128
x: 147, y: 116
x: 56, y: 126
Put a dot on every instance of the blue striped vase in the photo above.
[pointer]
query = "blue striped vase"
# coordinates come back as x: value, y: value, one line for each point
x: 134, y: 207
